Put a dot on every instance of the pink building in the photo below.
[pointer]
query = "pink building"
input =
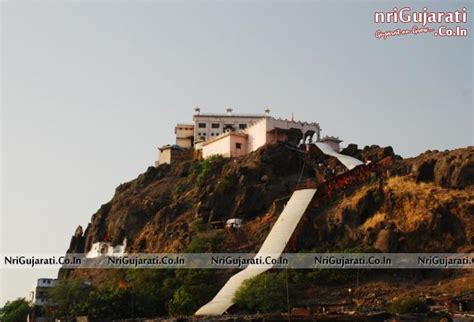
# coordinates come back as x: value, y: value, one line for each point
x: 230, y: 144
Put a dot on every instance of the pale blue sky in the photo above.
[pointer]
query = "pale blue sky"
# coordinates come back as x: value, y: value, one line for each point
x: 90, y: 89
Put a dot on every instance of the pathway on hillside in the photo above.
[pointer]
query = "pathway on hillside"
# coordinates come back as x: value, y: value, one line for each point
x: 273, y: 245
x: 276, y: 241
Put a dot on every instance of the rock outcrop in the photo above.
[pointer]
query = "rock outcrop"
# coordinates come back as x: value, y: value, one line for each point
x: 159, y: 210
x: 155, y: 212
x: 449, y: 169
x: 373, y: 153
x: 400, y: 215
x: 423, y: 204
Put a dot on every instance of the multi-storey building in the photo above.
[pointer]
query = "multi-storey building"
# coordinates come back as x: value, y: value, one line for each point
x: 39, y: 295
x: 266, y: 130
x: 210, y: 125
x: 233, y: 135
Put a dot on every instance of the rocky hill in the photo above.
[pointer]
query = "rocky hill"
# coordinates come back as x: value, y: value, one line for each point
x: 421, y: 198
x: 422, y: 204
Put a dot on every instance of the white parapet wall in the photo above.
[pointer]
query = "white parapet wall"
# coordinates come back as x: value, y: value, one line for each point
x: 348, y: 161
x: 273, y: 245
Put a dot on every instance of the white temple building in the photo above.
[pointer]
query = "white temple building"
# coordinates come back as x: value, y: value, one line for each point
x: 233, y: 135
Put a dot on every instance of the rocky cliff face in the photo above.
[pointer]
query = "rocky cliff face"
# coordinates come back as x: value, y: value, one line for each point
x: 156, y: 211
x: 426, y: 203
x: 423, y: 204
x: 448, y: 169
x: 397, y: 215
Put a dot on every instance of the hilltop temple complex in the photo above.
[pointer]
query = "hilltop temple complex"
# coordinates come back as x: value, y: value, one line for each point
x: 233, y: 135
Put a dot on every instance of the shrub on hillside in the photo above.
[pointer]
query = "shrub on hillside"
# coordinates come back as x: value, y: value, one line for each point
x: 408, y: 304
x: 205, y: 242
x: 202, y: 169
x: 263, y: 293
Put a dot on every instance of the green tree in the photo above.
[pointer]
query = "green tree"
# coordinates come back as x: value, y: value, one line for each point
x: 15, y: 311
x: 182, y: 303
x: 409, y: 304
x: 192, y: 289
x: 263, y: 293
x: 149, y: 292
x: 69, y: 297
x: 109, y: 303
x: 73, y: 297
x: 206, y: 242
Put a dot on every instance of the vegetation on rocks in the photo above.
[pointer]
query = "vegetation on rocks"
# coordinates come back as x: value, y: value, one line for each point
x: 409, y: 304
x: 264, y: 293
x: 416, y: 207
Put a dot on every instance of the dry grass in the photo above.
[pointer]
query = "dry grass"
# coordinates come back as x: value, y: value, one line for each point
x: 352, y: 201
x: 374, y: 220
x: 415, y: 201
x: 411, y: 203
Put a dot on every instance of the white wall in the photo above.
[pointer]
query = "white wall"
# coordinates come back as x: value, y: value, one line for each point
x: 333, y: 144
x: 220, y: 146
x: 257, y: 135
x: 184, y: 143
x: 165, y: 157
x: 226, y: 146
x: 105, y: 248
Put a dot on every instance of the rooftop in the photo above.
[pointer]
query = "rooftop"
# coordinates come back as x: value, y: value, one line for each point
x: 240, y: 133
x: 331, y: 138
x: 169, y: 146
x: 231, y: 115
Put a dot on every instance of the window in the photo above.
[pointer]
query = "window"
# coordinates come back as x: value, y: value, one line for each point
x: 202, y: 125
x: 215, y: 125
x: 212, y: 134
x: 238, y: 146
x: 242, y: 126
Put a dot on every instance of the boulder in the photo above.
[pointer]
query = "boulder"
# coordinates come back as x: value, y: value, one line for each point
x: 352, y: 150
x: 452, y: 169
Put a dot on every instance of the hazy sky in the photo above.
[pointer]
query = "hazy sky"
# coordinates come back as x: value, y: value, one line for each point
x: 91, y: 89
